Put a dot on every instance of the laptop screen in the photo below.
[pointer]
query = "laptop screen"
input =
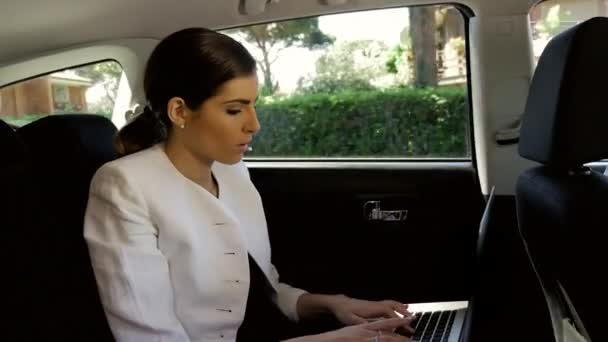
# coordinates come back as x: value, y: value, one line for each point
x: 483, y: 224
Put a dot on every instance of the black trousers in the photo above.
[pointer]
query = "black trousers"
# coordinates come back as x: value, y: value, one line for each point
x: 264, y: 322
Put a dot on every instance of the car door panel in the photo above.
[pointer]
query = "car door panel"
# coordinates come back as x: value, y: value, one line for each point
x: 322, y: 240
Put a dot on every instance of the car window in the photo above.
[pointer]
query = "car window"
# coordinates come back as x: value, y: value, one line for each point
x: 549, y: 18
x: 382, y: 83
x: 89, y: 89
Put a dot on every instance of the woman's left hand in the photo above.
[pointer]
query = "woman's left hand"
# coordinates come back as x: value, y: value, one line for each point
x: 352, y: 311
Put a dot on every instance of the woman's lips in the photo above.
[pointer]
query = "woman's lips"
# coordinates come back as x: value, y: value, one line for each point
x: 244, y: 147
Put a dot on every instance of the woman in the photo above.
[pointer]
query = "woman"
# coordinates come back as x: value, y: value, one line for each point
x: 176, y: 229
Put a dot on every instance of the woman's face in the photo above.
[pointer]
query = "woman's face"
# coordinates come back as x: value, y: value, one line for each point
x: 222, y: 128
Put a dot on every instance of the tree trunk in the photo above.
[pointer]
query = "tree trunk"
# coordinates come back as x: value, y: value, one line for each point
x: 422, y: 33
x: 259, y: 35
x: 269, y: 85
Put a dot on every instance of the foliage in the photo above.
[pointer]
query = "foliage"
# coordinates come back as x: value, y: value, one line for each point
x: 399, y: 63
x: 270, y: 39
x: 354, y: 65
x: 395, y: 58
x: 551, y: 24
x: 330, y: 85
x: 402, y: 122
x: 21, y: 120
x: 107, y: 75
x: 458, y: 44
x: 299, y: 33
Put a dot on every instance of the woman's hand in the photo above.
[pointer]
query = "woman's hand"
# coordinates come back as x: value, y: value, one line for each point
x: 379, y: 331
x: 351, y: 311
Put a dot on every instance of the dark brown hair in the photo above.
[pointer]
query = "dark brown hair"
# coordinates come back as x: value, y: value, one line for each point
x: 191, y: 64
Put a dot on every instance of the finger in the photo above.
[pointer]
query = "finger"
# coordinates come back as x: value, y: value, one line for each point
x: 405, y: 311
x: 388, y: 338
x: 353, y: 319
x: 389, y: 324
x: 399, y: 307
x: 396, y: 338
x: 408, y: 330
x: 389, y: 312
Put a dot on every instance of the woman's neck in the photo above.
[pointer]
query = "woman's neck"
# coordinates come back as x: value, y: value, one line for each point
x: 198, y: 171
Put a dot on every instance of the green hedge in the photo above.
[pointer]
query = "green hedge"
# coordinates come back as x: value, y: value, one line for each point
x: 22, y: 120
x: 402, y: 122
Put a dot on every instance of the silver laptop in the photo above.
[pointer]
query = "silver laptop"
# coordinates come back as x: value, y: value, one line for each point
x: 438, y: 322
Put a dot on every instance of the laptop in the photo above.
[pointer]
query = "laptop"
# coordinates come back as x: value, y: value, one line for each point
x: 444, y: 322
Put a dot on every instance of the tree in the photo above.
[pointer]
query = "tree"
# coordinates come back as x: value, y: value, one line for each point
x: 350, y: 65
x: 107, y: 75
x: 270, y: 39
x: 424, y: 46
x: 551, y: 25
x: 400, y: 58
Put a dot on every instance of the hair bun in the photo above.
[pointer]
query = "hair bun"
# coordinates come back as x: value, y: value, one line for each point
x: 137, y: 111
x: 131, y: 114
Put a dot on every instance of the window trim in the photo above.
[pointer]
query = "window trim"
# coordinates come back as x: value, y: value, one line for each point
x: 46, y: 73
x: 355, y: 160
x: 360, y: 165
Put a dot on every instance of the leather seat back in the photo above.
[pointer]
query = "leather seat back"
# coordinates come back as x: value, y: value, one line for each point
x: 65, y: 152
x: 562, y: 205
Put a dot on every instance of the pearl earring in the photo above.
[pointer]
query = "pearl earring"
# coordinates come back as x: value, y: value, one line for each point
x: 182, y: 126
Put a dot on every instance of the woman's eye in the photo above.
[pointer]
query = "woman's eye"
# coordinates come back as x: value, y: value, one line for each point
x: 233, y: 111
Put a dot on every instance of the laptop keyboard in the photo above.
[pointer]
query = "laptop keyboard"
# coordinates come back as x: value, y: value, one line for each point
x: 433, y: 326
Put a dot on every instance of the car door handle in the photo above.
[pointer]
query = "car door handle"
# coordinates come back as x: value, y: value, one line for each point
x: 372, y: 211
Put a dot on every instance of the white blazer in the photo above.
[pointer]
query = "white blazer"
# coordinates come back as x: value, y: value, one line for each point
x: 170, y: 259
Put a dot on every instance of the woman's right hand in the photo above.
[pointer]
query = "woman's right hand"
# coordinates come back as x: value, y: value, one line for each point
x: 378, y: 331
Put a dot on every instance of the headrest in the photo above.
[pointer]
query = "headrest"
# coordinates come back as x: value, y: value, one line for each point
x: 566, y: 117
x: 70, y: 141
x: 11, y: 146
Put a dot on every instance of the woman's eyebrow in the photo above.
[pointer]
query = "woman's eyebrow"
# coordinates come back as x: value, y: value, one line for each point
x: 242, y: 101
